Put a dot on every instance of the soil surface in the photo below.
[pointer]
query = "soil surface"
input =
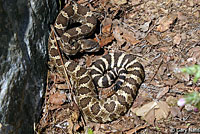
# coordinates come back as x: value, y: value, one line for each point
x: 165, y: 35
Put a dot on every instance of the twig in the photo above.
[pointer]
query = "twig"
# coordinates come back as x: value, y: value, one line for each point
x: 54, y: 33
x: 145, y: 87
x: 134, y: 130
x: 156, y: 70
x: 67, y: 77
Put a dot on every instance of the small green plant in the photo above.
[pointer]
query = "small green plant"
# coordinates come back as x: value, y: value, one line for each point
x: 191, y: 98
x: 194, y: 97
x: 90, y: 131
x: 193, y: 70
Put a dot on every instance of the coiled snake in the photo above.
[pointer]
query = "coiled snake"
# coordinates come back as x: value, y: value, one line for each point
x: 118, y: 68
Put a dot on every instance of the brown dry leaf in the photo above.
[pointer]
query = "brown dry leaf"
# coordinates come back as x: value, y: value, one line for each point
x: 118, y: 2
x: 194, y: 50
x: 106, y: 29
x: 152, y: 39
x: 181, y: 16
x: 142, y: 111
x: 145, y: 110
x: 180, y: 86
x: 164, y: 49
x: 162, y: 70
x: 162, y: 111
x: 165, y: 22
x: 75, y: 116
x: 191, y: 3
x: 171, y: 101
x: 176, y: 112
x: 162, y: 92
x: 88, y: 61
x: 135, y: 2
x: 103, y: 2
x: 197, y: 89
x: 70, y: 126
x: 153, y: 110
x: 177, y: 39
x: 57, y: 98
x: 62, y: 86
x: 122, y: 34
x: 129, y: 36
x: 150, y: 117
x: 189, y: 107
x: 170, y: 82
x: 139, y: 101
x: 195, y: 53
x: 58, y: 79
x: 145, y: 26
x: 81, y: 1
x: 107, y: 21
x: 105, y: 41
x: 134, y: 130
x: 117, y: 34
x: 197, y: 14
x: 166, y: 58
x: 183, y: 76
x: 124, y: 124
x: 76, y: 127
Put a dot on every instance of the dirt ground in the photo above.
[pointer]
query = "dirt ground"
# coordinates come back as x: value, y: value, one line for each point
x: 165, y: 35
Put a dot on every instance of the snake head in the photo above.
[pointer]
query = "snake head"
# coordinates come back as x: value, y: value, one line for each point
x: 89, y: 45
x: 70, y: 49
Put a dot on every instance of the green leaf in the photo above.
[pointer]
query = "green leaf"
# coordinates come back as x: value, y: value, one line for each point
x: 90, y: 131
x: 193, y: 70
x: 193, y: 98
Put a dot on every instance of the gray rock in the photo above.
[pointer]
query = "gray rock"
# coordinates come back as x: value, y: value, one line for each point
x: 24, y: 31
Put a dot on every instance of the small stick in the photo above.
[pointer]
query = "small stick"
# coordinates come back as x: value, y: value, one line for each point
x: 68, y: 81
x: 54, y: 33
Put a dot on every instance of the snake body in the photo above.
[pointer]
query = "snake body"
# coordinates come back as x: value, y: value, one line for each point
x: 119, y: 69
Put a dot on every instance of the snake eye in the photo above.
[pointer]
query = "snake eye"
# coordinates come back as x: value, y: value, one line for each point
x: 72, y: 43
